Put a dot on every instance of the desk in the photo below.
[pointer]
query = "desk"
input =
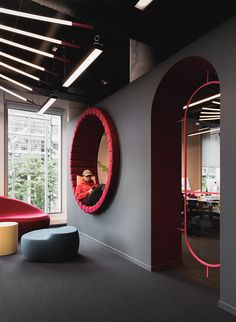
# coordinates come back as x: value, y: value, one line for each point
x: 203, y: 212
x: 203, y: 205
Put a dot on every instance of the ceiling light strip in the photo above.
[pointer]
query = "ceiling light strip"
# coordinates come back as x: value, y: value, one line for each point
x: 215, y: 102
x: 83, y: 66
x: 37, y: 36
x: 36, y: 51
x: 206, y: 116
x: 27, y: 63
x: 210, y: 113
x: 211, y: 109
x: 203, y: 100
x: 203, y: 129
x: 210, y: 119
x: 12, y: 93
x: 46, y: 105
x: 43, y: 18
x: 15, y: 82
x: 19, y: 71
x: 142, y: 4
x: 22, y: 61
x: 203, y: 132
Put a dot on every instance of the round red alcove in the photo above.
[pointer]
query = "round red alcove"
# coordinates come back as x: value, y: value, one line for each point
x: 91, y: 126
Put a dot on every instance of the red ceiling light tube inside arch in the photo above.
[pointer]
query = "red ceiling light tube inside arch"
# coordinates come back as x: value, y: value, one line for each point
x: 90, y: 127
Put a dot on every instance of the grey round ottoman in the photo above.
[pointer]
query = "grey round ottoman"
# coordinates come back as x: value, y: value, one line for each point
x: 51, y: 244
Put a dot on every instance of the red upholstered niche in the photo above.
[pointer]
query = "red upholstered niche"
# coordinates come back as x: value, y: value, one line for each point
x: 87, y: 135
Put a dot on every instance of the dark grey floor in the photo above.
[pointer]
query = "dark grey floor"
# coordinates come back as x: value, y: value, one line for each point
x: 101, y: 286
x: 207, y: 246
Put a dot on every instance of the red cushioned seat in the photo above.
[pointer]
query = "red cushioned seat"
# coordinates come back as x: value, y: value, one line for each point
x: 28, y: 216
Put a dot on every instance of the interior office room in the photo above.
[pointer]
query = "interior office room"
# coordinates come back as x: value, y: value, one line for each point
x: 150, y: 122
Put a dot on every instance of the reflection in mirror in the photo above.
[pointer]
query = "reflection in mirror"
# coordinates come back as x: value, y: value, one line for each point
x: 103, y: 160
x: 201, y: 171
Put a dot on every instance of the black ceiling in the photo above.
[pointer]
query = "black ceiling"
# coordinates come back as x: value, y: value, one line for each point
x: 165, y: 25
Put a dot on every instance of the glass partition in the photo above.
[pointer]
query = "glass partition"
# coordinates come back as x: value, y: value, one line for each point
x: 201, y: 168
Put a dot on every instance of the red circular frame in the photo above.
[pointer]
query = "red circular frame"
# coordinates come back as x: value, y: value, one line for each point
x: 90, y: 127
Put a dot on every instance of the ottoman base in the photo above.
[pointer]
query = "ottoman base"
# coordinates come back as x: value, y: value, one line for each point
x: 51, y: 244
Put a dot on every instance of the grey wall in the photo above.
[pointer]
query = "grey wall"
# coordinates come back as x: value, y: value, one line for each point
x: 125, y: 228
x: 126, y: 225
x: 142, y: 59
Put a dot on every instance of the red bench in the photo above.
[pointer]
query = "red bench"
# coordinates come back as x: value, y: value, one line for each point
x: 28, y: 216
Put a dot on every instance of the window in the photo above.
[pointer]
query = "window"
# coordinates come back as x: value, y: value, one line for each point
x: 34, y: 159
x: 211, y: 162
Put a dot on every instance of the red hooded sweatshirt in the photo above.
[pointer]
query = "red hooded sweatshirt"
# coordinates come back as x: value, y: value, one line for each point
x: 82, y: 190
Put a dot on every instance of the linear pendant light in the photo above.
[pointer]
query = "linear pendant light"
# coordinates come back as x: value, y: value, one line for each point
x: 27, y: 63
x: 12, y: 93
x: 203, y: 128
x: 36, y: 51
x: 83, y: 66
x: 215, y: 102
x: 211, y: 109
x: 203, y: 132
x: 202, y: 101
x: 43, y: 18
x: 22, y: 61
x: 205, y: 116
x: 46, y: 105
x: 37, y: 36
x: 142, y: 4
x: 19, y: 71
x: 209, y: 119
x: 210, y: 113
x: 15, y: 82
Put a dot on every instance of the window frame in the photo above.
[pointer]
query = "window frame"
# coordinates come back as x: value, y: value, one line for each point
x: 9, y: 104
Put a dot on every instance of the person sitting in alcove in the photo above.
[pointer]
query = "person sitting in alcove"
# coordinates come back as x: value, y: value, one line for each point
x: 87, y: 191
